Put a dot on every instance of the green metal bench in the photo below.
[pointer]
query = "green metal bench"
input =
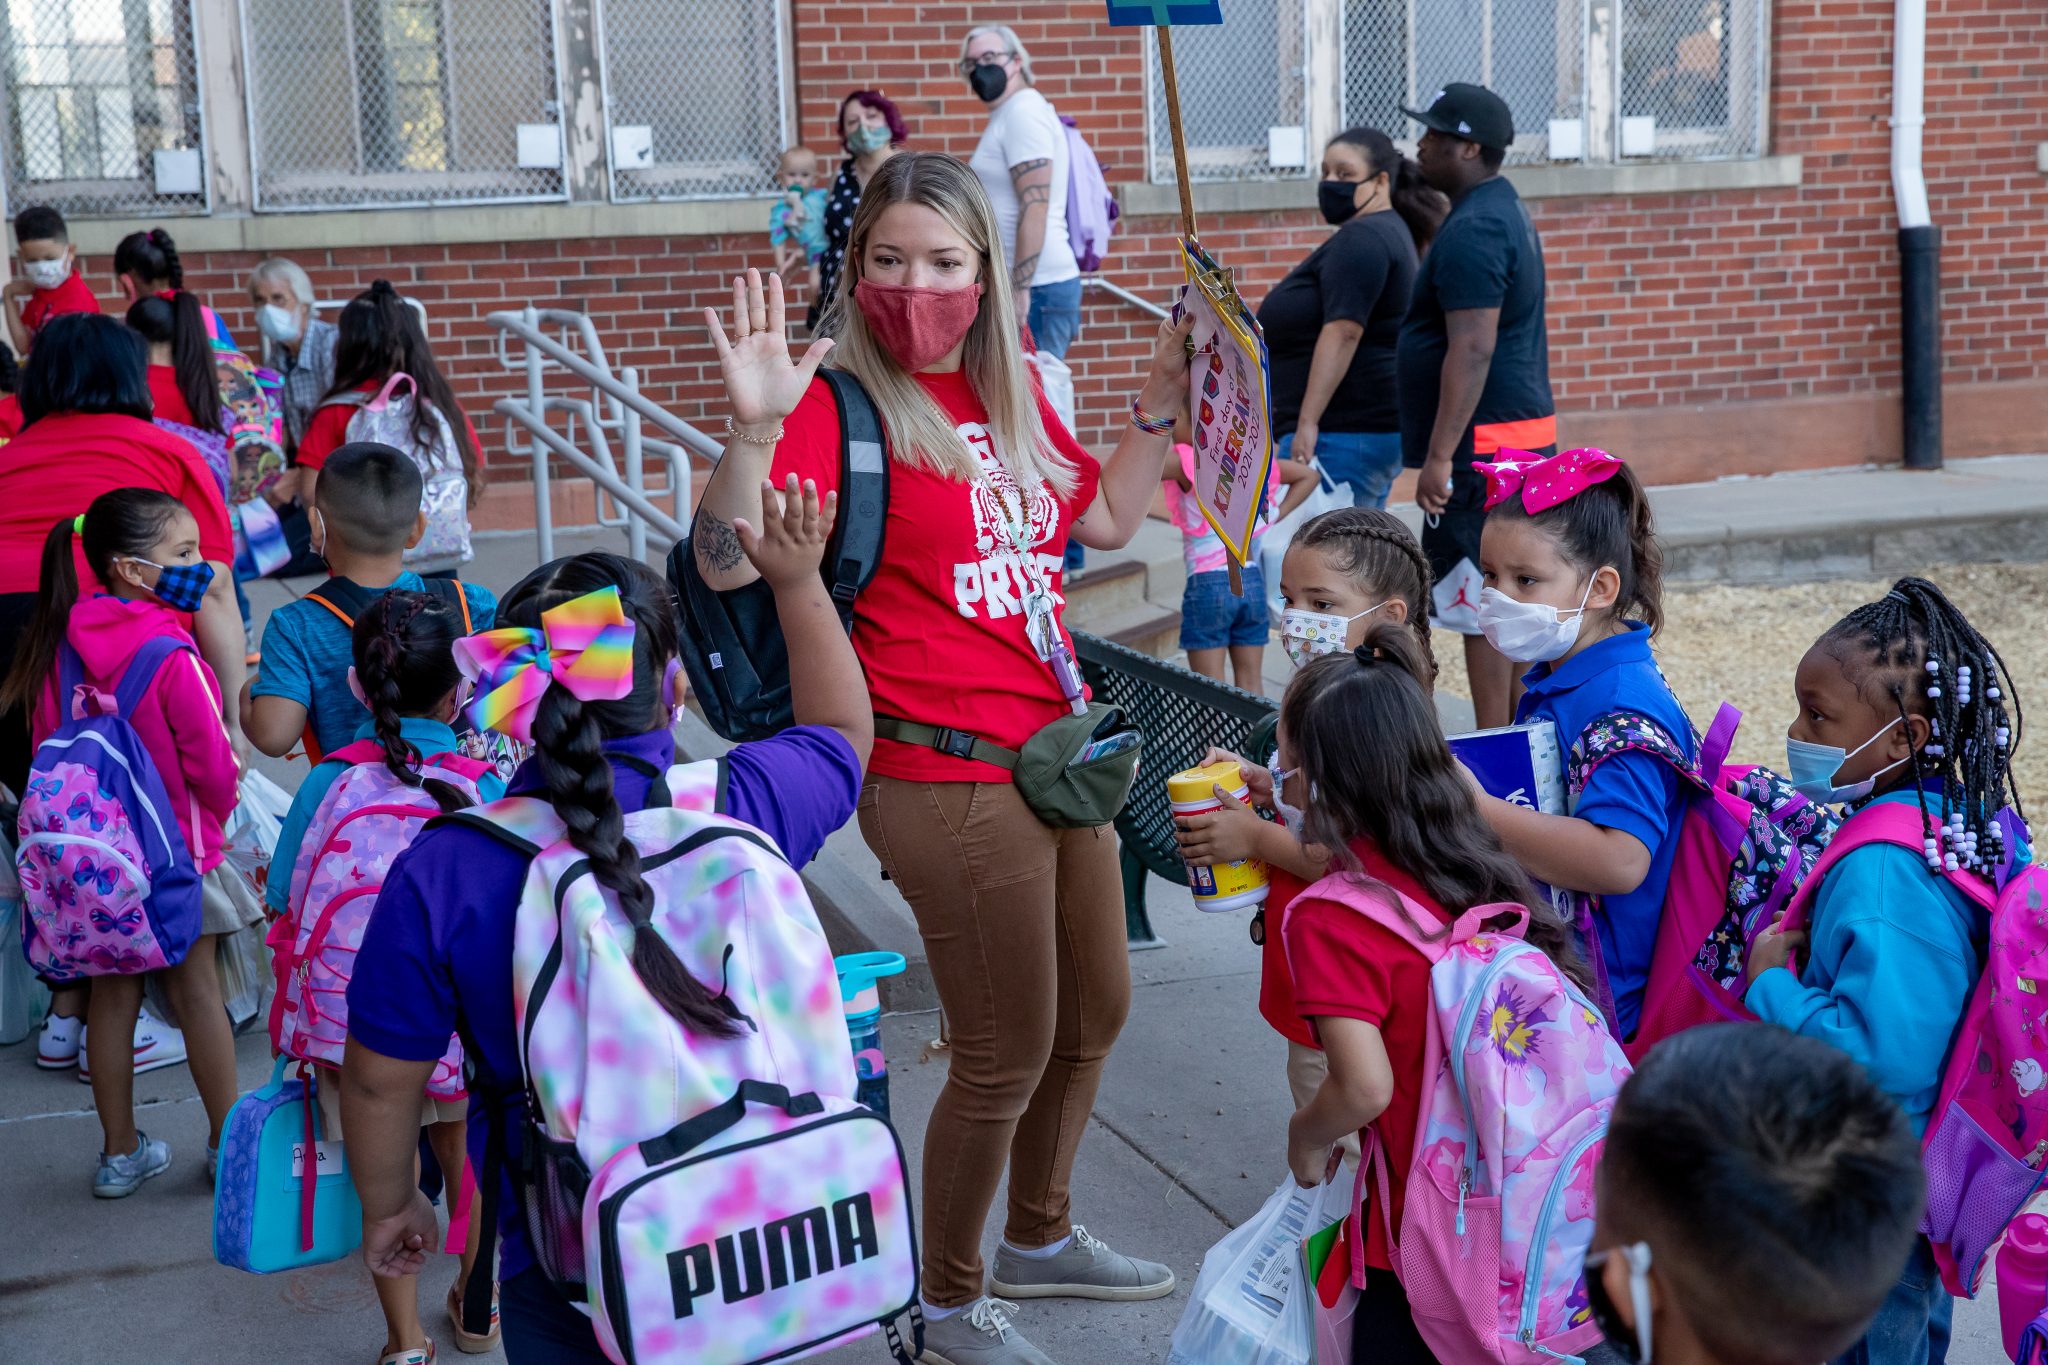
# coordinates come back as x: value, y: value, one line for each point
x: 1182, y: 714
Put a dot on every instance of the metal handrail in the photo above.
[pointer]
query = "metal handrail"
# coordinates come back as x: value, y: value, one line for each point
x: 1117, y: 291
x: 616, y: 407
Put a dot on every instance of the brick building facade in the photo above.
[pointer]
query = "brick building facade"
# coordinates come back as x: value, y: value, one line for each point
x: 1707, y: 318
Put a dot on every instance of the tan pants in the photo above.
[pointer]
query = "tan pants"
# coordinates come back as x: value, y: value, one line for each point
x: 1307, y: 1069
x: 1024, y: 928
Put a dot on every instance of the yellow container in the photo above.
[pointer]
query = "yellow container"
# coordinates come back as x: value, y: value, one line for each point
x: 1225, y: 886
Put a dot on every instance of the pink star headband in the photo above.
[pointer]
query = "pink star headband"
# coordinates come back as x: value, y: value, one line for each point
x: 585, y: 645
x: 1544, y: 483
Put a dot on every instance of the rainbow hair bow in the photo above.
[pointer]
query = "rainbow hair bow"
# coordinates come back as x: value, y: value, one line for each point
x: 585, y: 645
x: 1544, y: 483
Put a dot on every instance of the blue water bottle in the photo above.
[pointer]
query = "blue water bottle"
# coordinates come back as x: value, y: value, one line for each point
x: 862, y: 999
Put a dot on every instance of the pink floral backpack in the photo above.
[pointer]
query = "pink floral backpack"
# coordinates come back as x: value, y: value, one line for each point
x: 363, y: 822
x: 1988, y: 1136
x: 1519, y: 1077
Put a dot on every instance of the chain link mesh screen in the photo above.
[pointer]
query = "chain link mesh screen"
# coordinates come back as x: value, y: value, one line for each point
x: 1695, y: 67
x: 1238, y: 80
x: 716, y: 134
x: 95, y: 90
x: 359, y: 103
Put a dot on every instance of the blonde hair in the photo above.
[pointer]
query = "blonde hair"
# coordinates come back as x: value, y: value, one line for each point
x: 1010, y: 40
x: 920, y: 433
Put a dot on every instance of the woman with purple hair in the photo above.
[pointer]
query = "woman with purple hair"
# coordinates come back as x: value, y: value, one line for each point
x: 871, y: 129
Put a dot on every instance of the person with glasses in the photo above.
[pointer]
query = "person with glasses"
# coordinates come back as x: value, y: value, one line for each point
x: 1022, y: 163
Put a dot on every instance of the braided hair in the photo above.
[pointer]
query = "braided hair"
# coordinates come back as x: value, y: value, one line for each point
x: 1377, y: 551
x: 1365, y: 735
x: 1920, y: 652
x: 1608, y: 525
x: 405, y: 662
x: 151, y: 257
x: 569, y: 737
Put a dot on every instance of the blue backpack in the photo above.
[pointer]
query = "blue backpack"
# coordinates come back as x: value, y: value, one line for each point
x: 107, y: 883
x: 266, y: 1217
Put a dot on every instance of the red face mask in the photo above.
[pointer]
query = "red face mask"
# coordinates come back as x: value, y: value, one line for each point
x: 917, y: 325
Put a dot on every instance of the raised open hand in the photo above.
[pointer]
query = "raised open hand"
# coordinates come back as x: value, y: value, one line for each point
x: 761, y: 381
x: 790, y: 545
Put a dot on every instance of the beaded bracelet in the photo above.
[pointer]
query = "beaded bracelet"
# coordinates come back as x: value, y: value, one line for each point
x: 1147, y: 423
x: 732, y: 431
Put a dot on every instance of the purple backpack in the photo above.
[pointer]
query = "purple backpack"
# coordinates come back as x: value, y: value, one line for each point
x: 107, y: 884
x: 1091, y: 209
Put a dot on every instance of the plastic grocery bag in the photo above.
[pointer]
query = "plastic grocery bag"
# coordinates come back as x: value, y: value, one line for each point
x: 250, y: 835
x: 1253, y: 1303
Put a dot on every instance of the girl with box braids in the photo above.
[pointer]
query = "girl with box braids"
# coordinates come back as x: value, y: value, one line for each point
x: 1928, y: 660
x: 406, y: 667
x: 1377, y: 551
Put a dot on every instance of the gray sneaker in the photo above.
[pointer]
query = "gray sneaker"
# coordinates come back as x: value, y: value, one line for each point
x: 1085, y: 1269
x: 980, y: 1334
x: 120, y: 1176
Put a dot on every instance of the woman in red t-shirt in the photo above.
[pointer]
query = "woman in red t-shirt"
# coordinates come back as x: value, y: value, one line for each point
x: 1358, y: 729
x: 182, y: 381
x: 1023, y: 922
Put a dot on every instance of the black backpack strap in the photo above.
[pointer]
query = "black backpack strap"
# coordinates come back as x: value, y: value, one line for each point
x: 483, y: 1274
x: 695, y: 1132
x: 855, y: 548
x: 449, y: 590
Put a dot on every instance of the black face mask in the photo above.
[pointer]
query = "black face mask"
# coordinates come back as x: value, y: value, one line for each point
x: 989, y: 82
x: 1338, y: 200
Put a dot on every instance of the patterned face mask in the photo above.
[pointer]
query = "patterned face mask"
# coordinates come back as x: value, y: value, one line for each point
x: 1307, y: 635
x: 181, y: 587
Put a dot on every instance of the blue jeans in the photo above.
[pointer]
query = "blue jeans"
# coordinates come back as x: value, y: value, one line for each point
x: 1210, y: 618
x: 541, y: 1327
x: 1365, y: 461
x: 1055, y: 315
x: 1913, y: 1326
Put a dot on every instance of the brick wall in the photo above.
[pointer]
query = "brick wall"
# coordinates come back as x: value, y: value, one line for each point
x: 1701, y: 333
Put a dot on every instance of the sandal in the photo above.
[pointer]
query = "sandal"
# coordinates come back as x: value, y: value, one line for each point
x: 467, y: 1342
x: 410, y: 1355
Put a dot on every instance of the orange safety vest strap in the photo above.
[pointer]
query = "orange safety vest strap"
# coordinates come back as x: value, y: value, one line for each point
x: 1530, y: 433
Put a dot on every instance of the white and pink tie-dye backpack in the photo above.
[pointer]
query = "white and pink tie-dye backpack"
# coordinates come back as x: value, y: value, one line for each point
x: 1519, y: 1077
x: 714, y: 1201
x: 366, y: 819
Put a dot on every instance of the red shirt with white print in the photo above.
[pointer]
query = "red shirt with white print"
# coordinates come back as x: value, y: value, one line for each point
x: 940, y: 629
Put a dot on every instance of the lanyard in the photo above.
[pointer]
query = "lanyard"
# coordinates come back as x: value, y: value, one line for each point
x: 1041, y: 615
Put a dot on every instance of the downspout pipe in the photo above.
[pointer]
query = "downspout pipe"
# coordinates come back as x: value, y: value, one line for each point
x: 1919, y: 243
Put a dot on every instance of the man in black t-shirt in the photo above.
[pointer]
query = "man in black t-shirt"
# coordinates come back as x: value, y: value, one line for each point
x: 1473, y: 362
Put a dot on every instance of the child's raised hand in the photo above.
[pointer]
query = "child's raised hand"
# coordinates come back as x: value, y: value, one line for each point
x: 794, y: 528
x: 1222, y: 836
x: 1774, y: 948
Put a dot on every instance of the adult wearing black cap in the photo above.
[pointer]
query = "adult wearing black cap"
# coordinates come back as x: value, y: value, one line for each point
x: 1472, y: 362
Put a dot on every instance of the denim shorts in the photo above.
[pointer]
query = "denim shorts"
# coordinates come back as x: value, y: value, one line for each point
x: 1210, y: 618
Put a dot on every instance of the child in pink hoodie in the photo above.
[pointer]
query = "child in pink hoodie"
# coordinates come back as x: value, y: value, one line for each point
x: 143, y: 546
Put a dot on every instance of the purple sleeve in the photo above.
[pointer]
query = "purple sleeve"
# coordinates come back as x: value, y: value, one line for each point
x: 797, y: 787
x: 402, y: 1000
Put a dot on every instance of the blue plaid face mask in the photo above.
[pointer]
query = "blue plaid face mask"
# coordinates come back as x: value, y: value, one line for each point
x: 181, y: 587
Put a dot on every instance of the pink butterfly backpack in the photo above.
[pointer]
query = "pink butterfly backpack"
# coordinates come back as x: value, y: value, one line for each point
x: 1987, y: 1139
x: 363, y: 822
x: 107, y: 884
x: 1519, y: 1077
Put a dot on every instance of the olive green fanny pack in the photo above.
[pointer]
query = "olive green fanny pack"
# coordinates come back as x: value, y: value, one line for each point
x: 1064, y: 787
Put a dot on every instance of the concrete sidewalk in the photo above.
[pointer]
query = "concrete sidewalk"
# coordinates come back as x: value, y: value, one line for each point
x: 1187, y: 1139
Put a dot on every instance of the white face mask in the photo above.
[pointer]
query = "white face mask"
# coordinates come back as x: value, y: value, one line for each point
x: 280, y: 325
x: 47, y: 274
x: 1293, y: 817
x: 1307, y: 635
x: 1530, y: 632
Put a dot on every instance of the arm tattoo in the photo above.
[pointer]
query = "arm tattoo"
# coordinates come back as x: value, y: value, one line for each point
x: 1037, y: 194
x: 1025, y: 168
x: 1023, y: 272
x: 717, y: 546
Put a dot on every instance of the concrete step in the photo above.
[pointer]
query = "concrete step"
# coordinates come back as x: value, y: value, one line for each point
x: 1146, y: 627
x: 1104, y: 588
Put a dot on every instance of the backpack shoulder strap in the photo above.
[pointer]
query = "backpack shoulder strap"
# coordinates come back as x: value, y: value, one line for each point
x: 143, y: 668
x: 525, y: 823
x: 1623, y: 732
x: 1395, y: 912
x: 1885, y: 822
x: 855, y: 547
x: 358, y: 751
x: 460, y: 765
x: 450, y: 590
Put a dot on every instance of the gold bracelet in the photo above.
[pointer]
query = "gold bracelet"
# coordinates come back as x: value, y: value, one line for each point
x: 733, y: 432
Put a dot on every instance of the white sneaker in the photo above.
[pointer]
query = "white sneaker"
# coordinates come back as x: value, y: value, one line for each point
x: 61, y: 1043
x: 157, y: 1045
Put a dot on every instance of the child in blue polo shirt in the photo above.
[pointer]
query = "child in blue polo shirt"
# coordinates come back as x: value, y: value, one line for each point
x: 437, y: 956
x: 366, y: 511
x: 1574, y: 582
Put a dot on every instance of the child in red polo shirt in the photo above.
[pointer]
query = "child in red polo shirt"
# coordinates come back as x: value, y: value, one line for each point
x: 1358, y: 730
x: 49, y: 283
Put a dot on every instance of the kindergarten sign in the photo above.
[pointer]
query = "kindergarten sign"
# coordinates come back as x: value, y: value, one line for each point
x: 1228, y: 403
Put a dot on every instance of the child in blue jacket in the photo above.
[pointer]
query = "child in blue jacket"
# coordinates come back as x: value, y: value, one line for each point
x: 1902, y: 702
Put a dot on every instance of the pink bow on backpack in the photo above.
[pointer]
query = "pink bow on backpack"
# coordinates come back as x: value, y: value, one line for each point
x: 1544, y: 483
x: 585, y: 645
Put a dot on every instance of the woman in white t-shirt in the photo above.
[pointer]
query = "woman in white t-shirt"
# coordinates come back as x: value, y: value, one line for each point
x: 1022, y: 163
